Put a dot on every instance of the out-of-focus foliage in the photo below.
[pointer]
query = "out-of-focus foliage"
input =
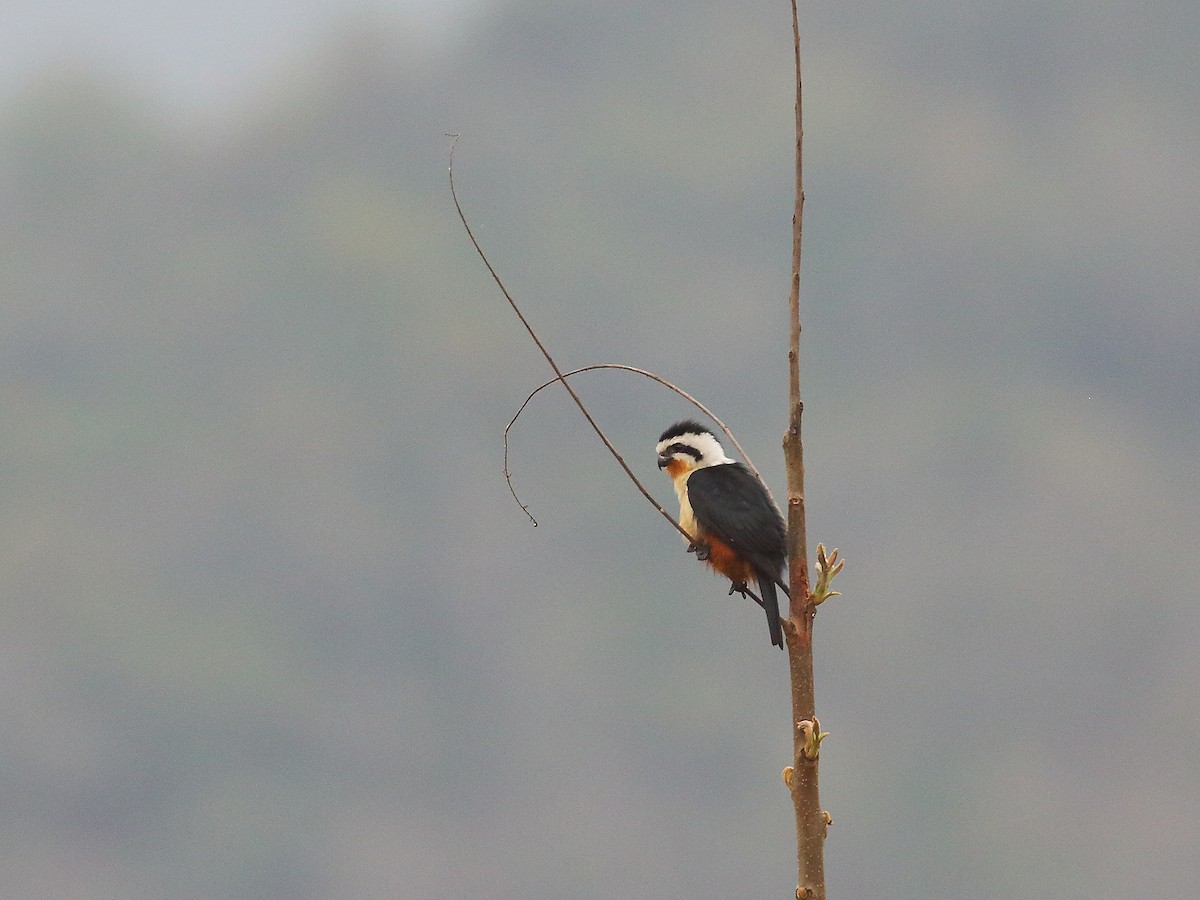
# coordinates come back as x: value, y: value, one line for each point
x: 272, y: 626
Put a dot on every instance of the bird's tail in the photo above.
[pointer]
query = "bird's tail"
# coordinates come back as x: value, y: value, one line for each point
x: 766, y: 587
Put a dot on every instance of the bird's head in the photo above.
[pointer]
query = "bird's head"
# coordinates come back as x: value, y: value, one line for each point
x: 687, y: 446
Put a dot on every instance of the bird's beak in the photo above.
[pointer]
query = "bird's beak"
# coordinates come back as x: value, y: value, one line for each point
x: 662, y: 461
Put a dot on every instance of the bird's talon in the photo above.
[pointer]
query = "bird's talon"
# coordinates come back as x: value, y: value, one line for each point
x: 701, y: 549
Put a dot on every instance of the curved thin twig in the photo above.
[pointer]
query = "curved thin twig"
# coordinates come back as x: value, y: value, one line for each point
x: 553, y: 365
x: 682, y: 393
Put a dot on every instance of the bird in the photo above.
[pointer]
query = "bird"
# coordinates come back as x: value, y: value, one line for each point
x: 735, y: 527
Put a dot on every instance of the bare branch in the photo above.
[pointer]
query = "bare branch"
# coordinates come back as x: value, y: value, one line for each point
x: 624, y: 368
x: 802, y: 776
x: 549, y: 359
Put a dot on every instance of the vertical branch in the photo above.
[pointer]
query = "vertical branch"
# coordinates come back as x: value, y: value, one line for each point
x: 801, y: 777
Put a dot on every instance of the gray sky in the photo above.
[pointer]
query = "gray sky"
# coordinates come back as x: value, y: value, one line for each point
x: 272, y: 625
x: 193, y: 52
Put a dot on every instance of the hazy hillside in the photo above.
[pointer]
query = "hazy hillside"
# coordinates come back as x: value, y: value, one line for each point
x: 273, y: 626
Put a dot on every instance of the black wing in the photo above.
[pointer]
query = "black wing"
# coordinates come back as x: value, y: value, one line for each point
x: 729, y: 502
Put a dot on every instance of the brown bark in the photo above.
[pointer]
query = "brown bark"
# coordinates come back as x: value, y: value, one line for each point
x: 802, y: 778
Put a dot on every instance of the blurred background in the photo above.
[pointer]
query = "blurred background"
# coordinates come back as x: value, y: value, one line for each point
x: 273, y: 626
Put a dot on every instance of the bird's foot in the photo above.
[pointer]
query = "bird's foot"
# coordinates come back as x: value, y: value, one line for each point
x: 701, y: 548
x: 740, y: 587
